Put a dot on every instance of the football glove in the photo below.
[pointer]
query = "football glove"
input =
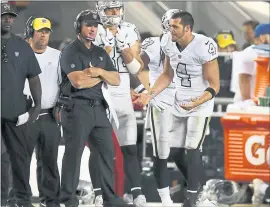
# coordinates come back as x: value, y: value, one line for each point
x: 109, y: 39
x: 121, y: 40
x: 159, y: 105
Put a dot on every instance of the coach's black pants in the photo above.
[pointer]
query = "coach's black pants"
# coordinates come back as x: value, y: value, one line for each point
x: 81, y: 124
x: 48, y: 139
x: 20, y: 146
x: 5, y: 163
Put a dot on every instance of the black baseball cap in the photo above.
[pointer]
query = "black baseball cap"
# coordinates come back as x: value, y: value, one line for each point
x: 90, y: 17
x: 8, y: 9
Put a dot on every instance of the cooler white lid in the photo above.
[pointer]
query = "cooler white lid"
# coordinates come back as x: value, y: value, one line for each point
x: 260, y: 110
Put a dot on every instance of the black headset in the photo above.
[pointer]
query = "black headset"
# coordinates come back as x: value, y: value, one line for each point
x: 29, y: 30
x: 78, y: 23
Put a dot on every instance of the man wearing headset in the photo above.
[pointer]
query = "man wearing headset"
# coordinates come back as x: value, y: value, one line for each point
x: 89, y: 69
x: 46, y: 131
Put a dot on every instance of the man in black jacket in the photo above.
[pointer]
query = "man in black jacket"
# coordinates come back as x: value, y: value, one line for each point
x: 18, y: 63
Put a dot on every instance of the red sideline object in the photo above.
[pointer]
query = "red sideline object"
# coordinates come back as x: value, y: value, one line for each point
x: 118, y: 168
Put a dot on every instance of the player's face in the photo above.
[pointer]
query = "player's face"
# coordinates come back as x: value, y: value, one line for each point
x: 177, y: 29
x: 89, y: 31
x: 6, y: 23
x: 112, y: 11
x: 262, y: 39
x: 41, y: 37
x: 248, y: 33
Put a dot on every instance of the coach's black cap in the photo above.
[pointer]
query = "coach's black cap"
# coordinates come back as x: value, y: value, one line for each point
x: 89, y: 16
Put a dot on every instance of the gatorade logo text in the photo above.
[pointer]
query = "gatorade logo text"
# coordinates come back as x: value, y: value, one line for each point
x: 256, y: 150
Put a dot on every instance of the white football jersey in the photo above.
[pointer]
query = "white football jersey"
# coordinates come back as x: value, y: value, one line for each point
x: 132, y: 36
x: 152, y: 47
x: 188, y: 71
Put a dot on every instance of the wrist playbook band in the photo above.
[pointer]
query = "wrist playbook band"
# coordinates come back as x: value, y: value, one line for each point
x: 212, y: 91
x: 140, y: 89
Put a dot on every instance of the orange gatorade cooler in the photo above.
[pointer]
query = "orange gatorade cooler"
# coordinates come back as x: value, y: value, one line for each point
x: 247, y: 143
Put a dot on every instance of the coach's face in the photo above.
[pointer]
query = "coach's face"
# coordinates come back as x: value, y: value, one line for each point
x: 41, y: 37
x: 177, y: 29
x: 89, y: 30
x: 6, y: 23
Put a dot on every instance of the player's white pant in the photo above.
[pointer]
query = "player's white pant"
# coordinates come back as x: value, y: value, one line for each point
x: 187, y: 132
x: 127, y: 131
x: 159, y: 132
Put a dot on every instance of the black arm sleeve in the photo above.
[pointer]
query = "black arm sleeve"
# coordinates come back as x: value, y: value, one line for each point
x: 35, y: 88
x: 33, y: 68
x: 69, y: 61
x: 134, y: 81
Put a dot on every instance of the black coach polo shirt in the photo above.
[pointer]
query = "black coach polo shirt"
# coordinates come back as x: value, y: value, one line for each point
x: 76, y: 57
x: 18, y: 62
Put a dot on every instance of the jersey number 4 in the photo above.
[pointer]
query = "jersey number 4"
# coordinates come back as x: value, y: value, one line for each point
x: 181, y: 72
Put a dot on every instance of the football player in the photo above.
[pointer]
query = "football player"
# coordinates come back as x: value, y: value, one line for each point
x: 153, y: 57
x: 121, y: 40
x: 193, y: 60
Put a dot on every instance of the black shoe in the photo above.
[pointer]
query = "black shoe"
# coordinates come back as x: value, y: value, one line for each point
x: 20, y: 205
x: 186, y: 203
x: 117, y: 203
x: 44, y: 204
x: 192, y: 198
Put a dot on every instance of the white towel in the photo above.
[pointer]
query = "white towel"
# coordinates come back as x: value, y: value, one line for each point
x: 237, y: 64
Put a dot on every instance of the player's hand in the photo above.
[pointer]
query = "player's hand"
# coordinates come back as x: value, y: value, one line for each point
x: 108, y: 39
x: 190, y: 105
x: 142, y: 99
x: 133, y: 95
x: 121, y: 39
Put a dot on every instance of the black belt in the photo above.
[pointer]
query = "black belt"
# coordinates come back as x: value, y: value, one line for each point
x: 91, y: 102
x: 46, y: 111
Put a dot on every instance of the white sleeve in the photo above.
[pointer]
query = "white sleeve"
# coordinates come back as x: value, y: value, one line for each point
x: 208, y: 51
x: 133, y: 35
x: 236, y: 65
x: 248, y: 62
x: 148, y: 48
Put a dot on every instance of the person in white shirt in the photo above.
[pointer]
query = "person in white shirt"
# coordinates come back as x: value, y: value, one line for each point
x: 121, y: 40
x: 153, y: 58
x: 38, y: 32
x: 247, y: 66
x: 191, y: 59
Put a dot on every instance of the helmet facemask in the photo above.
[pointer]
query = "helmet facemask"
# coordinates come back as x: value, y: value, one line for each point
x: 110, y: 20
